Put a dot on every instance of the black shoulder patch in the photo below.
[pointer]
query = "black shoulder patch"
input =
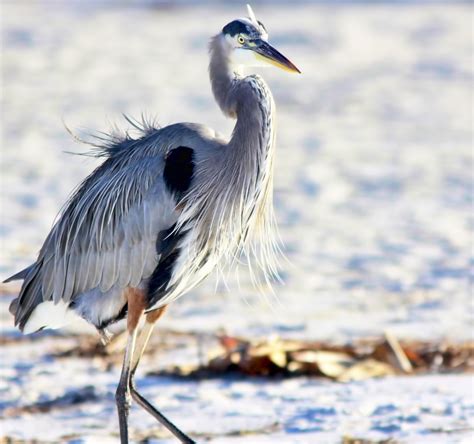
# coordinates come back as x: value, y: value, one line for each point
x: 235, y: 27
x: 179, y: 169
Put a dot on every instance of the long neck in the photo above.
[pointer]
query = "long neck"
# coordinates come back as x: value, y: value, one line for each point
x: 247, y: 161
x: 222, y: 76
x: 248, y: 99
x: 233, y: 205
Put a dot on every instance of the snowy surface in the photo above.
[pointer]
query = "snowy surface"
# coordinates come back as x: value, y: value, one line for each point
x: 373, y: 197
x: 416, y: 409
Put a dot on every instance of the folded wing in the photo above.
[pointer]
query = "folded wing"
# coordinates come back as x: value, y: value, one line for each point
x: 105, y: 236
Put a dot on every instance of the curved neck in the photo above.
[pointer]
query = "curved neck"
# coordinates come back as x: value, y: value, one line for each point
x: 234, y: 202
x: 222, y: 75
x: 248, y: 99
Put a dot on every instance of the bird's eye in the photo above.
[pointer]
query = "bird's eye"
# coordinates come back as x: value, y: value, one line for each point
x: 240, y: 39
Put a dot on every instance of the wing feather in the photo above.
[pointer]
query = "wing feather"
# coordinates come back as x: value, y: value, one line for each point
x: 103, y: 235
x: 73, y: 263
x: 106, y: 234
x: 60, y: 268
x: 124, y: 272
x: 48, y: 279
x: 135, y: 262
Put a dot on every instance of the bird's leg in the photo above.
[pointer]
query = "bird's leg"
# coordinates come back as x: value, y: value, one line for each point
x: 144, y: 336
x: 122, y: 395
x: 142, y: 341
x: 136, y: 307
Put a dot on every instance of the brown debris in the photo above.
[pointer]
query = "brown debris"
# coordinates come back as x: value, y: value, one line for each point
x: 224, y: 354
x: 360, y: 360
x: 321, y: 362
x: 367, y: 368
x: 353, y: 440
x: 399, y: 357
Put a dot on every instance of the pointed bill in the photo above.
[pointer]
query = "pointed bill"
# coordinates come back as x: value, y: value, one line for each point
x: 269, y: 54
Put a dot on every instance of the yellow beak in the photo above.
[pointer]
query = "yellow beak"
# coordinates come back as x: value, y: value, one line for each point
x: 264, y: 51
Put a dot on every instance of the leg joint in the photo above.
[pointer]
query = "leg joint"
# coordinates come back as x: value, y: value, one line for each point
x: 122, y: 395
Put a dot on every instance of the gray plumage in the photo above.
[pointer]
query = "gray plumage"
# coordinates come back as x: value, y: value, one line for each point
x: 104, y: 240
x: 161, y: 213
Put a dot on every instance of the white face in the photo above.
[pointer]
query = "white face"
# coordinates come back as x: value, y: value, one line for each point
x: 241, y: 56
x: 246, y: 44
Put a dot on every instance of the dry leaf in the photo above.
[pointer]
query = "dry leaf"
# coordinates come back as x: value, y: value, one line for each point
x: 330, y: 364
x: 231, y: 342
x: 278, y: 357
x: 369, y: 368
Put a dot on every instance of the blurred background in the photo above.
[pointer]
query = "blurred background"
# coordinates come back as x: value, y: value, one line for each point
x: 373, y: 195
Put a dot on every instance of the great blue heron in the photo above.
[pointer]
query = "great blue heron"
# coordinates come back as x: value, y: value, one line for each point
x: 161, y: 212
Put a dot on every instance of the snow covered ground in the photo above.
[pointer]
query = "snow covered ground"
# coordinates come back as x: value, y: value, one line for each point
x: 373, y: 196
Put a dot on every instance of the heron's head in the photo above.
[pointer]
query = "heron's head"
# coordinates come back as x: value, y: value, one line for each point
x: 246, y: 41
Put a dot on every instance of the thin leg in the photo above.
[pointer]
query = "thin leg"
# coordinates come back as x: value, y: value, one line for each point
x: 136, y: 306
x: 161, y: 418
x: 143, y: 338
x: 122, y: 395
x: 142, y: 341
